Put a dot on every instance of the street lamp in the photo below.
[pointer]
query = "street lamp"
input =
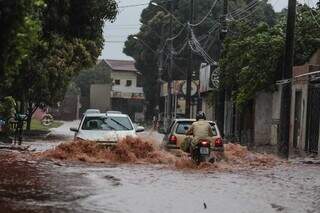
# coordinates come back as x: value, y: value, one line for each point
x: 145, y: 44
x: 157, y: 5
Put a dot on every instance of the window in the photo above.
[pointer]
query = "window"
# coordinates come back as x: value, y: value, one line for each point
x: 117, y: 82
x: 129, y: 83
x: 107, y: 123
x: 214, y: 129
x: 183, y: 127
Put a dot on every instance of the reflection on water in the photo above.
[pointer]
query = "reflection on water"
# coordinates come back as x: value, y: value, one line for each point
x: 42, y: 186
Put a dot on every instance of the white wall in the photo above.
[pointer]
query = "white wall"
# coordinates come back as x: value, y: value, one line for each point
x: 303, y: 122
x: 100, y: 97
x: 263, y: 118
x: 276, y: 108
x: 207, y: 107
x: 123, y: 77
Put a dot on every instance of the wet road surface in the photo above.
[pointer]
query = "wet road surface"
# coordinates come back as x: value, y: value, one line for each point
x: 29, y: 185
x: 45, y: 186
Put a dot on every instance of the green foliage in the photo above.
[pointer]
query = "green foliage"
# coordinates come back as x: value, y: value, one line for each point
x: 81, y: 19
x: 307, y: 35
x: 155, y: 30
x: 252, y: 58
x: 7, y: 111
x: 17, y: 27
x: 7, y: 107
x: 46, y: 43
x: 51, y: 75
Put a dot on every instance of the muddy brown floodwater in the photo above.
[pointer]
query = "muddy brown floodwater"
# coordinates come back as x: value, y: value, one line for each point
x: 146, y: 151
x: 40, y: 184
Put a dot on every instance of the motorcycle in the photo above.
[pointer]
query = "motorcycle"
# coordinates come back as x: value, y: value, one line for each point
x: 202, y: 152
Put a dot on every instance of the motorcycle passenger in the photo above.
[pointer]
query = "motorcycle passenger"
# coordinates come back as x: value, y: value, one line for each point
x: 200, y: 129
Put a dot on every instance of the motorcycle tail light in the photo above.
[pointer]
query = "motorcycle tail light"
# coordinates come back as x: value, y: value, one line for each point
x: 218, y: 142
x: 205, y: 143
x: 173, y: 139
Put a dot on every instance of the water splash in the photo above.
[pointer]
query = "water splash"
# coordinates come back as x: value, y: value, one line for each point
x: 129, y: 150
x: 146, y: 151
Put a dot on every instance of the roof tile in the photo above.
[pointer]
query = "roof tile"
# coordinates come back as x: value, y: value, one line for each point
x: 121, y: 65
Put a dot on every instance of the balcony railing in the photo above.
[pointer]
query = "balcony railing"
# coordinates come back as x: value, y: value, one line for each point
x: 127, y: 92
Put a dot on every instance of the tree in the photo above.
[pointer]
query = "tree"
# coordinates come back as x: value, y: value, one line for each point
x: 251, y: 62
x: 307, y: 39
x: 56, y: 39
x: 252, y: 58
x: 7, y: 111
x: 13, y: 18
x: 155, y: 30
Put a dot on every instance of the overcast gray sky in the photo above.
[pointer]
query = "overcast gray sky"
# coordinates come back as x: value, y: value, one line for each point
x: 127, y: 23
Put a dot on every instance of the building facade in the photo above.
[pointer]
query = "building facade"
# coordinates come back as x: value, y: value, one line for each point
x: 259, y: 123
x: 127, y: 93
x: 305, y: 110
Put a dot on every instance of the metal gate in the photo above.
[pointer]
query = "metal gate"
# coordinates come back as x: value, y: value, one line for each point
x: 313, y: 118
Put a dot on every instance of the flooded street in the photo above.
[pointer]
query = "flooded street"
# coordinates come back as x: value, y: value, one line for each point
x: 159, y: 106
x: 48, y: 187
x: 38, y: 185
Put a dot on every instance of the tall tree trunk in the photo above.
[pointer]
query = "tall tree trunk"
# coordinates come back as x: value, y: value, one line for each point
x: 29, y: 116
x: 21, y: 110
x: 30, y: 111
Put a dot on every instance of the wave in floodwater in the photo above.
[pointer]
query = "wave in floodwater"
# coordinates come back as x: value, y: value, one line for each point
x: 145, y: 151
x: 129, y: 150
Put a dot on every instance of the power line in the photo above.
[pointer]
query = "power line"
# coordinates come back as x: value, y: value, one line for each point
x: 185, y: 44
x: 133, y: 5
x: 174, y: 37
x: 311, y: 12
x: 121, y: 28
x: 139, y: 5
x: 196, y: 47
x: 177, y: 35
x: 247, y: 15
x: 242, y: 10
x: 123, y: 25
x: 206, y: 16
x: 115, y: 41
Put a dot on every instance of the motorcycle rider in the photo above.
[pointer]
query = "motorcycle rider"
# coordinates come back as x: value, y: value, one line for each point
x: 200, y: 129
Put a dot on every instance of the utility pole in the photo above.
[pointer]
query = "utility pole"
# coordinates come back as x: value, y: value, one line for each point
x: 220, y: 99
x: 199, y: 99
x: 160, y: 70
x: 287, y: 83
x: 190, y: 66
x: 170, y: 105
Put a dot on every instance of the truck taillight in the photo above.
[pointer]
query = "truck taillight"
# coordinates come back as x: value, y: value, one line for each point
x: 173, y: 139
x: 218, y: 142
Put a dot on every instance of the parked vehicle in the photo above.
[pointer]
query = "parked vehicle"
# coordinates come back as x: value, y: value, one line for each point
x: 106, y: 129
x: 114, y: 112
x: 176, y: 134
x: 91, y: 111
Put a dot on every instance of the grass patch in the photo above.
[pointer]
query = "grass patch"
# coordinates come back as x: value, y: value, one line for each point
x: 36, y: 125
